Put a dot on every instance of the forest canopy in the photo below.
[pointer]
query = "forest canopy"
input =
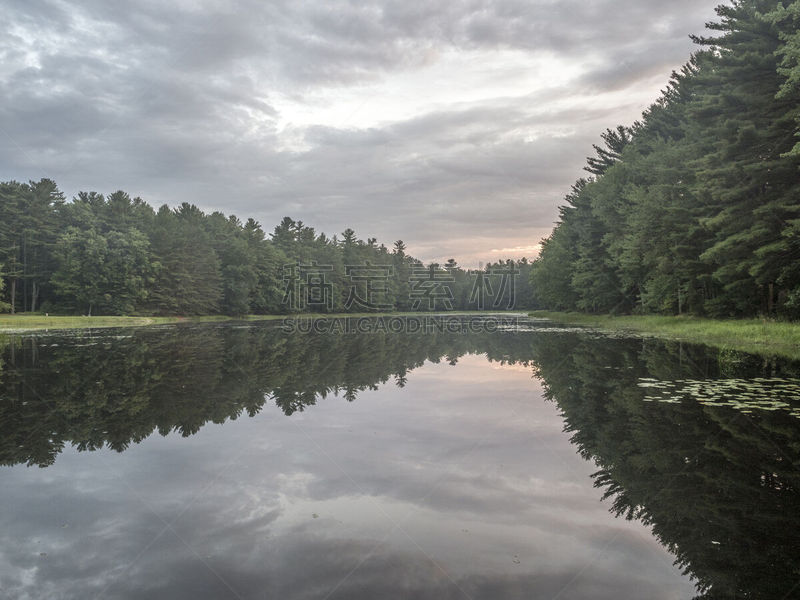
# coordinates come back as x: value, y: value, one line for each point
x: 116, y: 255
x: 696, y: 207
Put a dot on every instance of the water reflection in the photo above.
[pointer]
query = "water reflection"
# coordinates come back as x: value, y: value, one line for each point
x: 714, y: 472
x: 448, y: 478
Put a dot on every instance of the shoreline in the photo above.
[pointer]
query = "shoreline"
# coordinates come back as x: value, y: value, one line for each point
x: 753, y: 336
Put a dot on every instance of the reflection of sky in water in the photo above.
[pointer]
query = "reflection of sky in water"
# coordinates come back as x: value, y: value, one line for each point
x: 460, y: 485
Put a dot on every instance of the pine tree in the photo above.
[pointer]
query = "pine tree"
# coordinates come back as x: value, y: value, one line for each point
x: 4, y: 306
x: 750, y: 184
x: 187, y: 279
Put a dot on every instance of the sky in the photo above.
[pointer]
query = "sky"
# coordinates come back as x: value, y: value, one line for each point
x: 457, y: 126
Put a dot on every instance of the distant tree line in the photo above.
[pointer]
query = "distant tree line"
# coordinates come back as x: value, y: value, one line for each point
x: 116, y: 255
x: 695, y: 208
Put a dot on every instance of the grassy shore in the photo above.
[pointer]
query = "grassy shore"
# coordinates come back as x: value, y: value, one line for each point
x: 757, y: 336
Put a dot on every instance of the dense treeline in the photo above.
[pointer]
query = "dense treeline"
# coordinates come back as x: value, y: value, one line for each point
x: 695, y: 208
x: 117, y: 255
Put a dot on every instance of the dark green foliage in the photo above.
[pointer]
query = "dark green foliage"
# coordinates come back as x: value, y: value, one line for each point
x: 615, y: 141
x: 4, y: 306
x: 28, y: 231
x: 116, y: 255
x: 188, y: 278
x: 696, y: 208
x: 101, y: 274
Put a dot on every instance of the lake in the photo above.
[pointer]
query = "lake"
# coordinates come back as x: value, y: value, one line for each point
x: 517, y: 460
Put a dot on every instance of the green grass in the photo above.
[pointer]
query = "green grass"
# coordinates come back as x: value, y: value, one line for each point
x: 756, y: 336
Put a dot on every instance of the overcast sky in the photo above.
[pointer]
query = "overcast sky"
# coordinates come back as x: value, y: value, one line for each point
x: 457, y: 125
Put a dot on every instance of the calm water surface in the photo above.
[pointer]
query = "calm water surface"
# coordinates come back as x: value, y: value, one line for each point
x: 241, y: 461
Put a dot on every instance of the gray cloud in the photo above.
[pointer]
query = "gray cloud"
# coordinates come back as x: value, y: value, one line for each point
x: 187, y: 102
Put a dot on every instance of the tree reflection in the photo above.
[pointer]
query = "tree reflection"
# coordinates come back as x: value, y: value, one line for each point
x: 718, y: 486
